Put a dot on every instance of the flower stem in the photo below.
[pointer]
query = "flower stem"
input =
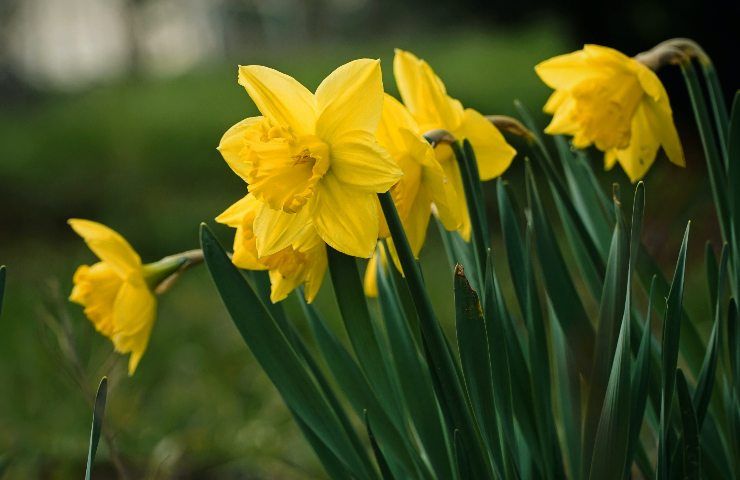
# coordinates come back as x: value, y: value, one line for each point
x: 717, y: 178
x: 445, y: 371
x: 476, y: 204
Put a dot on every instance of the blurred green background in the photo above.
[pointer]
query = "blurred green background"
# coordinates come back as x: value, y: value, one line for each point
x: 112, y: 111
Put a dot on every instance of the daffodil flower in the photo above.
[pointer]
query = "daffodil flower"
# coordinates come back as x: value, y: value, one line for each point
x: 426, y: 98
x: 117, y: 292
x: 607, y: 99
x: 289, y: 267
x: 423, y: 183
x: 312, y: 160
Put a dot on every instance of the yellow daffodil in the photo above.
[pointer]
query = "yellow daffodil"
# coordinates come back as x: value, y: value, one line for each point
x: 289, y: 267
x: 423, y: 183
x: 606, y: 99
x: 312, y: 160
x: 426, y: 98
x: 117, y: 291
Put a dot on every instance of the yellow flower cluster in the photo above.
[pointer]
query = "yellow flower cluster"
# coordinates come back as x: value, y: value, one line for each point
x: 313, y: 164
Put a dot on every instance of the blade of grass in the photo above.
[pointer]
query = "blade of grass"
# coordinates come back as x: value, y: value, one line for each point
x: 670, y: 340
x: 97, y: 425
x: 445, y: 371
x: 277, y: 357
x: 559, y: 283
x: 475, y: 360
x: 385, y: 471
x: 690, y: 434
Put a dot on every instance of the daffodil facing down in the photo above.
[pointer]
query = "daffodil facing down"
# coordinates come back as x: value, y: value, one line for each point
x: 426, y: 98
x: 118, y: 291
x: 606, y: 99
x: 423, y: 183
x: 289, y: 267
x: 312, y: 160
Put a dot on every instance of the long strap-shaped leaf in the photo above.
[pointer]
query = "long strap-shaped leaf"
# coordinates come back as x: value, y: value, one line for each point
x: 97, y: 425
x: 446, y: 372
x: 671, y: 336
x: 690, y: 434
x: 277, y: 357
x: 733, y: 183
x: 2, y: 286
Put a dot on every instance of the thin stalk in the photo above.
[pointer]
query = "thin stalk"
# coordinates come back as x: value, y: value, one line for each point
x: 438, y: 352
x: 719, y: 107
x: 473, y: 198
x: 717, y: 177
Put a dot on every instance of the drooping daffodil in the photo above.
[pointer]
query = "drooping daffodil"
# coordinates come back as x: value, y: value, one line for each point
x: 288, y: 268
x: 425, y: 96
x: 607, y: 99
x: 312, y: 160
x: 117, y: 292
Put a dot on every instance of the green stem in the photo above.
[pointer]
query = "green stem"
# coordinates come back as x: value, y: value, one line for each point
x: 437, y: 351
x: 719, y: 107
x: 717, y: 178
x: 476, y: 210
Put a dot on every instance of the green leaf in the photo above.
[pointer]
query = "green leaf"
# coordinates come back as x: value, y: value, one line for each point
x: 366, y: 337
x: 715, y: 167
x: 712, y: 270
x: 464, y: 470
x: 333, y: 465
x: 670, y: 341
x: 413, y: 374
x: 733, y: 182
x: 476, y: 207
x: 277, y: 357
x: 690, y: 435
x: 640, y: 381
x: 97, y: 425
x: 475, y: 359
x: 385, y: 471
x: 445, y: 371
x: 611, y: 314
x: 353, y: 383
x: 612, y: 435
x: 458, y: 251
x: 559, y: 283
x: 733, y: 342
x: 705, y: 383
x: 2, y: 286
x: 716, y: 100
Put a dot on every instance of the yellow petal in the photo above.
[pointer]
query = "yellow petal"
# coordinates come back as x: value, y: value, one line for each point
x: 316, y: 270
x: 565, y: 71
x: 275, y: 229
x: 234, y: 215
x: 492, y: 152
x: 96, y: 288
x: 134, y: 314
x: 395, y: 118
x: 280, y: 98
x: 442, y: 193
x: 108, y: 245
x: 666, y: 129
x: 424, y: 94
x: 245, y: 250
x: 350, y: 98
x: 346, y: 218
x: 358, y: 160
x: 233, y: 146
x: 637, y: 158
x: 370, y: 281
x: 452, y: 172
x: 417, y: 221
x: 610, y: 159
x: 555, y: 101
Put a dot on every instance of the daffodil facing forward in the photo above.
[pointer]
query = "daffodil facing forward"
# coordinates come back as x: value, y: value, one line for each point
x: 426, y: 98
x: 607, y: 99
x: 118, y: 291
x: 312, y: 160
x: 289, y: 267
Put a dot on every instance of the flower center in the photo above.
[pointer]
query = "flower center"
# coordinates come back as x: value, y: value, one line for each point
x: 285, y: 167
x: 604, y: 109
